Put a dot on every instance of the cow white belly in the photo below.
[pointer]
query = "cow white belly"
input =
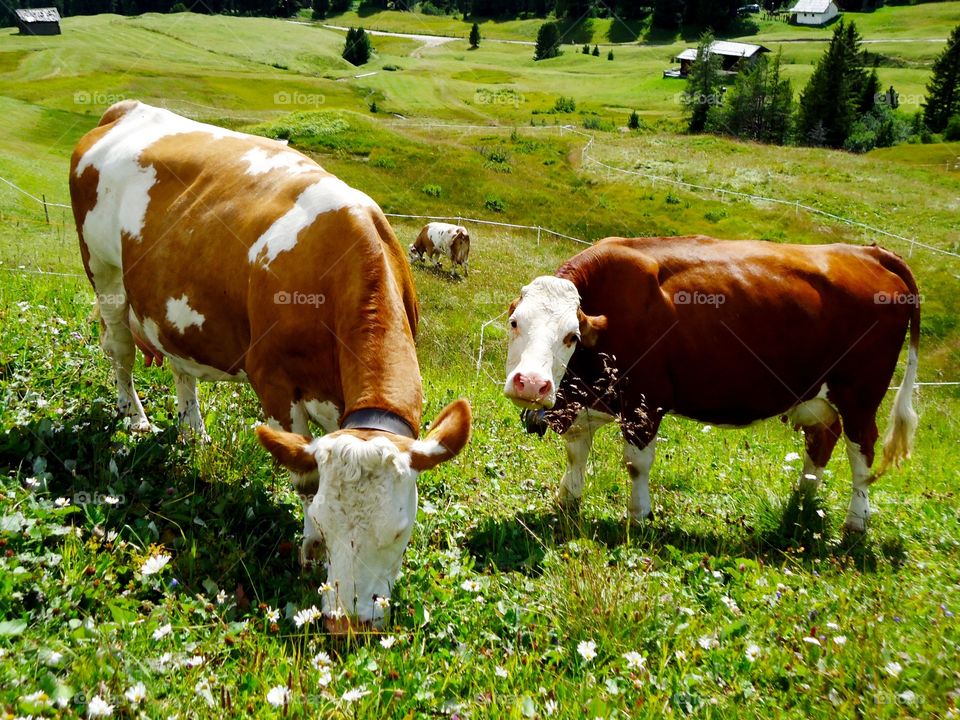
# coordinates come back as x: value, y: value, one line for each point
x: 149, y: 331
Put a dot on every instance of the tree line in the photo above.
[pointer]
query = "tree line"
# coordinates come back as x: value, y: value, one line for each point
x: 843, y: 105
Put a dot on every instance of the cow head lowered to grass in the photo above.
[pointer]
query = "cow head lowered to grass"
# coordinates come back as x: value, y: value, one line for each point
x: 724, y: 332
x: 238, y: 258
x: 365, y: 504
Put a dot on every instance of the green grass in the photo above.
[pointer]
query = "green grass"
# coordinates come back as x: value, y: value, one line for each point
x: 733, y: 568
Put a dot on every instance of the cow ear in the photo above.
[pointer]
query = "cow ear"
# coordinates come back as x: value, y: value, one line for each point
x: 289, y: 449
x: 448, y: 435
x: 591, y: 327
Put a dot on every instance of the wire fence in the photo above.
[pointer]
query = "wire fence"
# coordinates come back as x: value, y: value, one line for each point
x: 586, y: 158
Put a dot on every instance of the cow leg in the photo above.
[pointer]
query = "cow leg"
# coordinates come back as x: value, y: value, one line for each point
x: 188, y: 405
x: 639, y: 461
x: 861, y: 435
x: 284, y: 412
x: 579, y: 440
x: 819, y: 439
x: 117, y: 342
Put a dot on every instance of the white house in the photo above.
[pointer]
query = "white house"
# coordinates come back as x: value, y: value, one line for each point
x: 813, y: 12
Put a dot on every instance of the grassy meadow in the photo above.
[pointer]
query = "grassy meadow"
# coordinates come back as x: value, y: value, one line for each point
x: 738, y: 600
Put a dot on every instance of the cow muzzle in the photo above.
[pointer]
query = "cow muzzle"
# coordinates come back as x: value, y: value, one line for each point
x: 530, y: 390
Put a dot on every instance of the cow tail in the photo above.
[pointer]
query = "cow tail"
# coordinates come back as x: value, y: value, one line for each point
x: 898, y: 441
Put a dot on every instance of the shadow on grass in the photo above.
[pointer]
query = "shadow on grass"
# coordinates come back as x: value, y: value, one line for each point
x: 195, y: 500
x: 437, y: 271
x: 796, y: 528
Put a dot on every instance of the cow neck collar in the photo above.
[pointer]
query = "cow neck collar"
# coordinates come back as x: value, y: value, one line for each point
x: 377, y: 419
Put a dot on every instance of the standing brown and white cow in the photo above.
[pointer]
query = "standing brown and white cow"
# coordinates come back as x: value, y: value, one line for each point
x: 723, y: 332
x: 438, y: 240
x: 238, y: 258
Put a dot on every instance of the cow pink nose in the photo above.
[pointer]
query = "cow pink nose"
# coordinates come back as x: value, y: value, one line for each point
x: 531, y: 387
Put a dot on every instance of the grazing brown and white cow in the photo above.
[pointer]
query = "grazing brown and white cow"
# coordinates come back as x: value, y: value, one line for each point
x: 723, y: 332
x: 238, y: 258
x: 438, y: 240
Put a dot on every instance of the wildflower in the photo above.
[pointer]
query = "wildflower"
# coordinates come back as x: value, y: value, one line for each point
x: 202, y: 688
x: 325, y: 677
x: 752, y: 652
x: 893, y: 668
x: 195, y: 661
x: 31, y: 482
x: 840, y: 639
x: 812, y: 641
x: 162, y: 631
x: 321, y: 660
x: 791, y: 457
x: 707, y: 642
x: 470, y: 585
x: 221, y: 597
x: 550, y: 707
x: 680, y: 655
x: 706, y: 428
x: 388, y: 641
x: 38, y: 698
x: 500, y: 672
x: 278, y: 696
x: 355, y: 694
x: 136, y: 694
x: 587, y: 649
x: 273, y: 615
x: 821, y: 513
x: 154, y: 564
x: 635, y: 661
x: 98, y: 707
x: 325, y: 588
x: 306, y: 616
x: 337, y: 613
x: 907, y: 697
x: 731, y: 604
x: 111, y: 500
x: 382, y: 603
x: 61, y: 502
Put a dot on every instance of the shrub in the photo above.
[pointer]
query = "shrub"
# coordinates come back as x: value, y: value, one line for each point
x: 586, y: 49
x: 596, y: 51
x: 178, y: 8
x: 373, y: 107
x: 492, y: 202
x: 475, y: 36
x: 634, y: 121
x: 597, y: 123
x: 431, y: 190
x: 610, y: 55
x: 952, y: 131
x: 565, y: 105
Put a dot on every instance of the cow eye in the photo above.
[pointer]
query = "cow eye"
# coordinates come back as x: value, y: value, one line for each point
x: 513, y: 323
x: 572, y: 338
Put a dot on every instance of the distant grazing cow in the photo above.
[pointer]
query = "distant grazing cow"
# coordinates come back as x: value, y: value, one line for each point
x: 238, y: 258
x: 437, y: 240
x: 721, y: 332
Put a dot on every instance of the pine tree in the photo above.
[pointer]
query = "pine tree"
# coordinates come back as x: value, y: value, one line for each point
x: 829, y: 104
x: 943, y: 91
x: 610, y: 55
x: 703, y: 85
x: 548, y: 42
x: 634, y: 121
x: 357, y: 48
x: 586, y: 48
x: 759, y: 105
x: 667, y: 14
x: 596, y: 51
x: 475, y: 36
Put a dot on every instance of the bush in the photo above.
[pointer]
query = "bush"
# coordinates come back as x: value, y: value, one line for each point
x: 431, y: 190
x: 596, y: 123
x: 952, y: 131
x: 178, y: 8
x: 596, y: 51
x: 565, y: 105
x: 610, y: 55
x: 586, y: 49
x: 634, y: 121
x: 492, y: 202
x: 881, y: 127
x: 373, y: 107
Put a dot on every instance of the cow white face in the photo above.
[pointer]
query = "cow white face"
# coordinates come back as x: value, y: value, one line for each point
x: 546, y: 324
x: 366, y: 505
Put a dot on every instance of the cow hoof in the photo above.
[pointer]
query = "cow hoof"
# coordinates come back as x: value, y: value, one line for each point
x: 567, y: 503
x: 142, y: 427
x: 311, y: 554
x: 642, y: 520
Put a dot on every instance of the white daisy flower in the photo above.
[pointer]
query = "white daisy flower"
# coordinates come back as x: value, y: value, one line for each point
x: 355, y: 694
x: 154, y: 564
x: 587, y: 649
x: 162, y: 631
x: 500, y: 672
x: 388, y: 641
x: 792, y: 457
x: 752, y: 652
x: 321, y: 660
x: 61, y: 502
x: 273, y: 615
x: 840, y: 639
x: 635, y: 661
x: 278, y: 695
x: 382, y: 603
x: 470, y: 585
x: 325, y: 678
x: 98, y: 708
x: 812, y: 641
x: 136, y: 694
x: 306, y: 616
x: 893, y: 668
